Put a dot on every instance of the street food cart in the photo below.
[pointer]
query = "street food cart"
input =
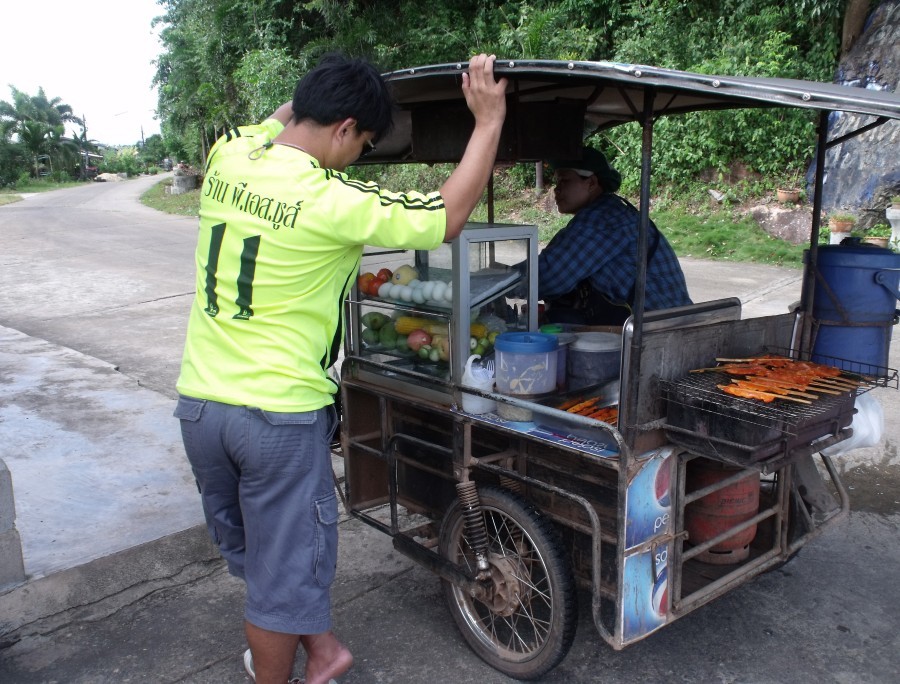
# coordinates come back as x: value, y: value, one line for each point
x: 653, y: 490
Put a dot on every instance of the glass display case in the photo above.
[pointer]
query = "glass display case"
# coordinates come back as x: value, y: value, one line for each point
x: 441, y: 306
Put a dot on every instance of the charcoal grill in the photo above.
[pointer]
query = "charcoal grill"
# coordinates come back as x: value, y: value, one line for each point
x: 709, y: 422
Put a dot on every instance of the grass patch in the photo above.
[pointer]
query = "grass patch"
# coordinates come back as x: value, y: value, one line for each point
x: 185, y: 204
x: 40, y: 185
x: 720, y: 234
x: 6, y: 198
x: 724, y: 236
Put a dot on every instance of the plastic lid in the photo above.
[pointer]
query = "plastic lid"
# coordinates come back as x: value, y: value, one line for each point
x: 597, y: 342
x: 551, y: 328
x: 858, y: 256
x: 525, y: 342
x: 565, y: 338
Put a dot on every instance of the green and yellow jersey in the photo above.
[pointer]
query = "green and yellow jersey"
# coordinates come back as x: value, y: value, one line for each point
x: 278, y: 249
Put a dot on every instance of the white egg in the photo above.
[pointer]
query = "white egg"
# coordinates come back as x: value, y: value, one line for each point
x: 394, y: 292
x: 440, y: 288
x: 385, y: 290
x: 418, y: 296
x: 428, y: 288
x: 406, y: 293
x: 414, y: 283
x: 448, y: 293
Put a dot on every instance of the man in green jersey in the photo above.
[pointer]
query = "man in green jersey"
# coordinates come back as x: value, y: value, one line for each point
x: 281, y: 235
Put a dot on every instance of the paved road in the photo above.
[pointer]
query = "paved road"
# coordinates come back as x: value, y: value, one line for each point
x: 90, y: 277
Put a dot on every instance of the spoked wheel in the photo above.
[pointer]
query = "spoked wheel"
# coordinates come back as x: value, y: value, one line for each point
x: 525, y: 623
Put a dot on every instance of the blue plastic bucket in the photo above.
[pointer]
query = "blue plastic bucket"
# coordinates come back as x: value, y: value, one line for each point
x: 855, y: 305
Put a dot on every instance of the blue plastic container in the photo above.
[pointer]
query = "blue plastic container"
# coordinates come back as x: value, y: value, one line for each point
x: 855, y: 305
x: 526, y: 363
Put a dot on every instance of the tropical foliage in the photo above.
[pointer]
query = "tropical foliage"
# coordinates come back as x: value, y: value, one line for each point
x: 233, y: 61
x: 227, y: 62
x: 32, y: 135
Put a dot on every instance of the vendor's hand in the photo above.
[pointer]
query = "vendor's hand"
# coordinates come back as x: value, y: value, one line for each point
x: 485, y: 96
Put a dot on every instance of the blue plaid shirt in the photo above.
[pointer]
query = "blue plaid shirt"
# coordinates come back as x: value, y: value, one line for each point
x: 600, y: 243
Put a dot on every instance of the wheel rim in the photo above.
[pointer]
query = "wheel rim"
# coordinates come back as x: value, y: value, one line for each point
x: 516, y: 616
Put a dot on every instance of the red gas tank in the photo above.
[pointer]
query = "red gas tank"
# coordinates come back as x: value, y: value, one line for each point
x: 720, y: 511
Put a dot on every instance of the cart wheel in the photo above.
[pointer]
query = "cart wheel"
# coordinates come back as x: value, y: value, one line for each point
x: 526, y: 625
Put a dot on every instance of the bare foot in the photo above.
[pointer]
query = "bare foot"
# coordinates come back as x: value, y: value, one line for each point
x: 326, y: 657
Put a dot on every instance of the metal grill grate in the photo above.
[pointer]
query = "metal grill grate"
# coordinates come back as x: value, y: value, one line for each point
x: 700, y: 392
x: 711, y: 422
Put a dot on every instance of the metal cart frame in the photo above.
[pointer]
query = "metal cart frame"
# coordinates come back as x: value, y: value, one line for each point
x: 489, y: 508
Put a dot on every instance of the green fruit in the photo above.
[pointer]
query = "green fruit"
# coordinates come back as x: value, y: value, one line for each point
x: 374, y: 320
x: 402, y: 345
x: 387, y: 335
x: 434, y: 355
x: 370, y: 337
x: 424, y: 351
x: 479, y: 349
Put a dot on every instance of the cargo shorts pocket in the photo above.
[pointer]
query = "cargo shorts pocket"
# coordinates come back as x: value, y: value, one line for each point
x: 326, y: 539
x: 189, y: 408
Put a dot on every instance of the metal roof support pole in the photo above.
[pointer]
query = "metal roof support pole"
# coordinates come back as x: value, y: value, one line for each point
x: 634, y: 370
x: 809, y: 273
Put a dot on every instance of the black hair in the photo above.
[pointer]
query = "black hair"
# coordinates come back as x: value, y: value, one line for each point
x: 339, y: 87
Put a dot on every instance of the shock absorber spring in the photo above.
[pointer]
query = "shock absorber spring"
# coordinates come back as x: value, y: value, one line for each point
x: 511, y: 484
x: 476, y: 533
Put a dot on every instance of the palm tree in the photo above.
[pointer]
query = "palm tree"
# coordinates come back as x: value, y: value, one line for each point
x: 34, y: 136
x: 84, y: 146
x: 38, y: 122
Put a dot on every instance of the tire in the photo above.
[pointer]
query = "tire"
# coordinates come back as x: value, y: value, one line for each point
x: 529, y: 628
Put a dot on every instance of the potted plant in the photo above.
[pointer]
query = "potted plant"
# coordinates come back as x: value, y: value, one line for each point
x: 788, y: 195
x: 841, y: 226
x: 879, y: 235
x: 788, y: 189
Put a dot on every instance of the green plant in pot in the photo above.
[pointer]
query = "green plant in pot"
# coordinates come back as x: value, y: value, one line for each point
x: 841, y: 222
x: 788, y: 187
x: 879, y: 234
x: 880, y: 229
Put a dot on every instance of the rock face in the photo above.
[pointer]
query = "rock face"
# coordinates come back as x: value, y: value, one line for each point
x: 864, y: 173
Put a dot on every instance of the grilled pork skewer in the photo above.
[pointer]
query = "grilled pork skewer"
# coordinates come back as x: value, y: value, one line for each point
x: 818, y: 369
x: 767, y: 397
x: 762, y: 384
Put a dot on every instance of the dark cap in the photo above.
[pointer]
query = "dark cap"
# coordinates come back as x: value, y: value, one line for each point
x: 592, y: 163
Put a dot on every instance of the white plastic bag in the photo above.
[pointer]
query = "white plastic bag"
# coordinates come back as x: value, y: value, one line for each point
x: 868, y: 426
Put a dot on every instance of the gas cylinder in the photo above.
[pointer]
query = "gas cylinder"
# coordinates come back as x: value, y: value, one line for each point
x: 721, y: 511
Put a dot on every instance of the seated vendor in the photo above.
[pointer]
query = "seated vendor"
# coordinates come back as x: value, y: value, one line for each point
x: 586, y: 274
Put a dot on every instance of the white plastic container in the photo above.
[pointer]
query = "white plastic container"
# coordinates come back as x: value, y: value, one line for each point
x: 480, y: 378
x: 593, y: 358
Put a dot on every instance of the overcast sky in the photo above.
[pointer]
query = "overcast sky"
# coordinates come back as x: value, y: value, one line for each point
x: 96, y: 55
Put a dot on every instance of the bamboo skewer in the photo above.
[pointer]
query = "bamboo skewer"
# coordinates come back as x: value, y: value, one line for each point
x: 824, y: 390
x: 838, y: 382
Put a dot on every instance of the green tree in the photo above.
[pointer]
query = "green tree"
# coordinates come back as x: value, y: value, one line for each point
x: 227, y: 62
x: 38, y: 123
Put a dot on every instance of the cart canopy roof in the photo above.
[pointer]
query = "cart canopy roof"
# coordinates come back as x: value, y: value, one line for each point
x: 552, y: 105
